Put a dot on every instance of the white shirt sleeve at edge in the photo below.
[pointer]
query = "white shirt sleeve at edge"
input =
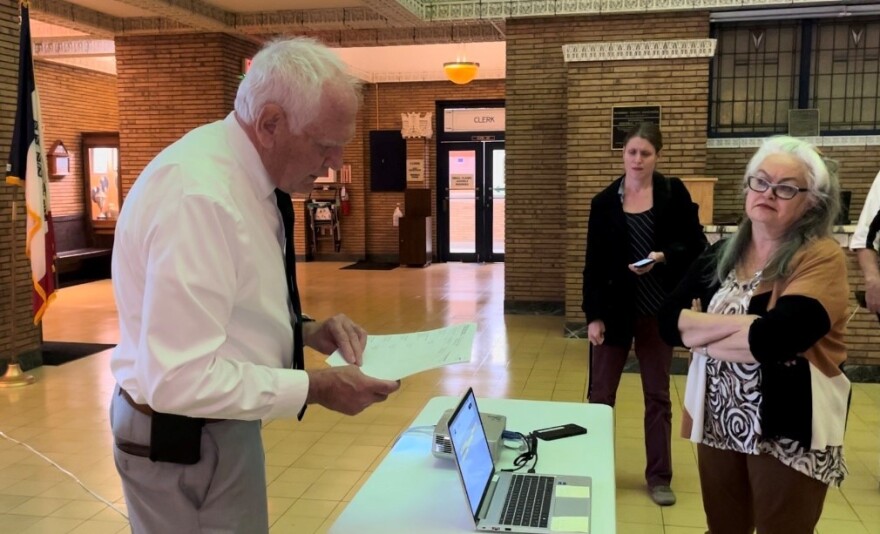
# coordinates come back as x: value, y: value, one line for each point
x: 872, y: 205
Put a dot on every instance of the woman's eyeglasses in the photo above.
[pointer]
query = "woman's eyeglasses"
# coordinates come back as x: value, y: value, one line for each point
x: 783, y: 191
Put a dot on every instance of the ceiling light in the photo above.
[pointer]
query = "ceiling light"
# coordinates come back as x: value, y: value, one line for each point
x: 461, y: 72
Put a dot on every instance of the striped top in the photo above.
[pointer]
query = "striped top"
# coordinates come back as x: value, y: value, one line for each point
x: 649, y: 292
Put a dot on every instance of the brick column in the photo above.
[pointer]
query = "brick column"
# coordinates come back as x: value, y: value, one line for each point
x: 15, y: 315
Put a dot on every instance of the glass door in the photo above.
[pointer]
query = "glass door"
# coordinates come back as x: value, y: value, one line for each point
x: 495, y: 199
x: 472, y: 190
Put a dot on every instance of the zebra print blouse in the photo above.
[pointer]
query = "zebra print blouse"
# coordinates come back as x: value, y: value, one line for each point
x: 733, y: 401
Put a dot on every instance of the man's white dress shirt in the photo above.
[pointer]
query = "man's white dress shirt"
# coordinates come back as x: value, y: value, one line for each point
x: 198, y: 275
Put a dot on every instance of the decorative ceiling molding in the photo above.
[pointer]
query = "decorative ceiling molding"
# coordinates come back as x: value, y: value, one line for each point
x: 399, y: 12
x: 71, y: 47
x: 194, y: 13
x: 269, y: 22
x: 75, y: 17
x: 364, y: 18
x: 176, y: 16
x: 502, y: 9
x: 303, y: 20
x: 629, y: 50
x: 323, y: 19
x: 437, y: 34
x: 152, y: 26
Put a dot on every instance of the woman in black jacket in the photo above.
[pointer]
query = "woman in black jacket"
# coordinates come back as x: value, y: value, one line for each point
x: 641, y: 215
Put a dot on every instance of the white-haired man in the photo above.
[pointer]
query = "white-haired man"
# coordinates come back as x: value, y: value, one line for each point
x: 210, y: 321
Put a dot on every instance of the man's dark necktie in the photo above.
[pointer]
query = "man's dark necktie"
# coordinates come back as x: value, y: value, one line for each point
x: 285, y: 206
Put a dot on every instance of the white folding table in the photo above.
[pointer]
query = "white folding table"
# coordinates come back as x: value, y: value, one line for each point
x: 413, y: 491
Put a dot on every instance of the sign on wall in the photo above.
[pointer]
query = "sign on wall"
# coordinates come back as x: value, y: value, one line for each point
x: 803, y: 122
x: 474, y: 120
x: 461, y: 181
x: 625, y: 118
x: 415, y: 170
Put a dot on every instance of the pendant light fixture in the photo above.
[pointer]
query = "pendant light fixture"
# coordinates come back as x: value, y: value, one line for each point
x: 461, y: 72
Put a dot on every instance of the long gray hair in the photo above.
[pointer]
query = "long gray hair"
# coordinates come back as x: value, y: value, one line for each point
x: 818, y: 221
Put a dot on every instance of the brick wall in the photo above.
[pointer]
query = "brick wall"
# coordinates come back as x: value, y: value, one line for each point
x: 381, y: 110
x: 559, y: 136
x: 534, y: 265
x: 73, y: 101
x: 171, y: 84
x: 17, y: 332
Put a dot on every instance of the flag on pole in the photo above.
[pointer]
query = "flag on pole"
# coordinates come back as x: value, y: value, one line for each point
x: 27, y: 167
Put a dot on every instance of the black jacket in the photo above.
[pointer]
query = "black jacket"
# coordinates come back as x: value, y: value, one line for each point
x: 609, y: 286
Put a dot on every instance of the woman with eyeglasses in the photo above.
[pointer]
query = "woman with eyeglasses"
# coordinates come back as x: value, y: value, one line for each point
x: 764, y: 313
x: 643, y: 234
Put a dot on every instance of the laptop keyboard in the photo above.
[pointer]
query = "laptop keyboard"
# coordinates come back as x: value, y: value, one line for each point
x: 528, y: 501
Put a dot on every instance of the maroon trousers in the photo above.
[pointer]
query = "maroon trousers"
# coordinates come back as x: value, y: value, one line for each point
x: 742, y: 492
x: 655, y: 358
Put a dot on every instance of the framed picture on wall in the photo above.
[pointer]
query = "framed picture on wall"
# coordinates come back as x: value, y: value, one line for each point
x: 329, y: 178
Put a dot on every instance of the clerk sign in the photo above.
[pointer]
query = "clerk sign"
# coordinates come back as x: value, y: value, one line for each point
x: 474, y: 120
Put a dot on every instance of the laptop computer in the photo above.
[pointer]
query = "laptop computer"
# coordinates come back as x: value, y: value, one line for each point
x: 501, y: 501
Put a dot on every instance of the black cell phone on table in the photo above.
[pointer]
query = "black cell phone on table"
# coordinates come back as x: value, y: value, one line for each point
x: 644, y: 262
x: 561, y: 431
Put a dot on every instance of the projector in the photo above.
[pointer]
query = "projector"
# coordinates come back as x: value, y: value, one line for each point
x: 493, y: 424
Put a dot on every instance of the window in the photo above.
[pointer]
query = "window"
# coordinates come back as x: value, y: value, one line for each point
x: 762, y: 70
x: 845, y: 71
x: 754, y: 78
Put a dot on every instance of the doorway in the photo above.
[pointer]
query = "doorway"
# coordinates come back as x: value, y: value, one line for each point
x: 471, y: 186
x: 473, y: 193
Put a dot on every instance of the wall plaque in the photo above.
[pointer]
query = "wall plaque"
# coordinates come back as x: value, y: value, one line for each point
x: 803, y: 122
x: 415, y: 170
x: 625, y: 118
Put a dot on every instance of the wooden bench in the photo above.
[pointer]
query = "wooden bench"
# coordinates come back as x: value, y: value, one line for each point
x: 80, y: 255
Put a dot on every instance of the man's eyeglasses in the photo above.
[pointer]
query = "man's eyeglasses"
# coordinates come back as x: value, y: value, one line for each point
x: 783, y: 191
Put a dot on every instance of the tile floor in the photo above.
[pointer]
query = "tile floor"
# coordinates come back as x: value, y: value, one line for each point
x: 315, y: 467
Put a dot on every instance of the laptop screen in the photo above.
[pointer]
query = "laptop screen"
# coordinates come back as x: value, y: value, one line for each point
x: 471, y: 449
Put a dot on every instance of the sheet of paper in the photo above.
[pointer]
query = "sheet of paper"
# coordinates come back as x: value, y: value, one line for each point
x: 392, y: 357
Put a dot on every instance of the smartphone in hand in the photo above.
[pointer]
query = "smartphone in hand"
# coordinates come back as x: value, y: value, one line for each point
x: 644, y: 262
